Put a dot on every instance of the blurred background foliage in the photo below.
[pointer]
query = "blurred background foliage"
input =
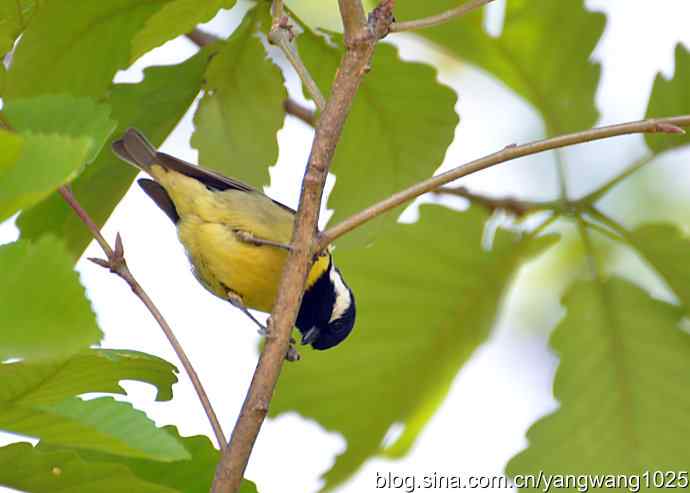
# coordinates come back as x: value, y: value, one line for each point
x: 598, y: 259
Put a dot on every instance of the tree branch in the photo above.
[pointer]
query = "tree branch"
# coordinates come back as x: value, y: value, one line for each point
x: 597, y: 194
x: 281, y: 35
x: 201, y: 38
x: 352, y: 69
x: 665, y: 125
x: 510, y: 204
x: 295, y: 109
x: 117, y: 265
x: 354, y: 19
x: 441, y: 18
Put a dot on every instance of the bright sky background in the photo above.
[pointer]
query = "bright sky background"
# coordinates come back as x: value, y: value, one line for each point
x: 507, y: 384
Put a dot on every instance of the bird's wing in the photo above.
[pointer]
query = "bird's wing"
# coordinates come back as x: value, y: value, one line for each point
x: 135, y: 149
x: 158, y: 194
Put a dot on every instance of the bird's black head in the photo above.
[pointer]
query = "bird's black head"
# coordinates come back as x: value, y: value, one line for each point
x: 327, y: 314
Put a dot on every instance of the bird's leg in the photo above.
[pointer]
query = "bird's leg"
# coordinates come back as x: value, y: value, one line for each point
x: 236, y: 301
x: 247, y: 237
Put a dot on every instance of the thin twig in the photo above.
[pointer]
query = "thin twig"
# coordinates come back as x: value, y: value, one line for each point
x: 281, y: 35
x: 590, y: 251
x: 295, y: 109
x: 614, y: 226
x: 117, y: 265
x: 597, y: 194
x: 510, y: 204
x: 562, y: 179
x: 666, y: 125
x: 543, y: 226
x: 602, y: 230
x: 352, y: 69
x: 201, y: 38
x: 441, y: 18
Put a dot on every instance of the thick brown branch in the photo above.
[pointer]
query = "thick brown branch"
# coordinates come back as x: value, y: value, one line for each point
x: 441, y: 18
x: 354, y: 19
x: 665, y: 125
x: 115, y: 261
x: 353, y: 67
x: 295, y: 109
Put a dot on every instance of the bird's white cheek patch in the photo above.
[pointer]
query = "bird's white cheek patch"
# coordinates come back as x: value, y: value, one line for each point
x: 342, y: 296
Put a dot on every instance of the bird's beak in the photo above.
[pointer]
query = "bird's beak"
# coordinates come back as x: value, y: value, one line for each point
x: 310, y: 336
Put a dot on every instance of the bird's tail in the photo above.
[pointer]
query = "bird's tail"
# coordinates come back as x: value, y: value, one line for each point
x: 135, y: 149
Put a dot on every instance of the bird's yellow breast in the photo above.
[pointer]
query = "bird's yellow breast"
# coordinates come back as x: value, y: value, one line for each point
x: 222, y: 261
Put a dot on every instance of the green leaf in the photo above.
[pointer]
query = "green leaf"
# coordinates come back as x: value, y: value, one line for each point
x: 670, y: 97
x: 396, y: 134
x: 175, y: 18
x: 188, y: 476
x: 14, y: 17
x: 103, y: 424
x: 92, y: 370
x: 317, y: 14
x: 320, y: 14
x: 64, y: 115
x: 10, y: 149
x: 46, y: 162
x: 242, y: 108
x: 622, y: 384
x: 543, y: 53
x: 89, y: 42
x: 45, y: 313
x: 55, y: 130
x: 28, y: 468
x: 667, y: 249
x: 415, y: 329
x: 154, y: 106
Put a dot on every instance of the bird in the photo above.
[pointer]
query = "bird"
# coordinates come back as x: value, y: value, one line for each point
x: 237, y: 241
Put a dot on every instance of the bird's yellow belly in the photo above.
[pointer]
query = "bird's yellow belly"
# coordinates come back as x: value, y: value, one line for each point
x: 223, y: 262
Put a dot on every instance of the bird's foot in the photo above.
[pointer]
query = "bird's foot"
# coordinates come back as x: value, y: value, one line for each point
x: 236, y: 301
x: 249, y: 238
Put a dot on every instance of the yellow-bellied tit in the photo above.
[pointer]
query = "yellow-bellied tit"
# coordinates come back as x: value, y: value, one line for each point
x: 236, y: 239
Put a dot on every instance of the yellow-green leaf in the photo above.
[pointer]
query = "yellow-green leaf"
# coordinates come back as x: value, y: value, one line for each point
x: 543, y: 53
x: 622, y: 385
x: 45, y: 313
x: 154, y: 106
x: 670, y: 97
x: 76, y: 46
x: 102, y: 424
x: 92, y: 370
x: 188, y: 476
x: 401, y: 123
x: 45, y: 163
x: 28, y: 468
x: 63, y: 115
x: 14, y: 17
x: 10, y: 149
x: 667, y: 250
x: 242, y: 108
x: 175, y: 18
x: 416, y: 327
